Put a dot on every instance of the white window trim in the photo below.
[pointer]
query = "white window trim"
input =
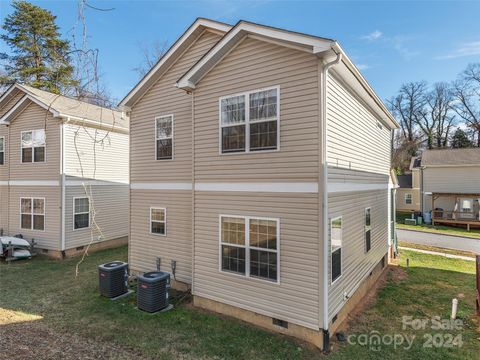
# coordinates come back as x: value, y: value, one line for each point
x: 150, y: 220
x: 366, y: 228
x: 172, y: 137
x: 74, y: 213
x: 247, y: 248
x: 332, y: 282
x: 44, y: 213
x: 247, y: 122
x: 411, y: 198
x: 33, y: 148
x: 3, y: 151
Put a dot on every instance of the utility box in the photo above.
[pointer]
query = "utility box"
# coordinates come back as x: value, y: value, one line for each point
x: 113, y: 279
x: 152, y: 291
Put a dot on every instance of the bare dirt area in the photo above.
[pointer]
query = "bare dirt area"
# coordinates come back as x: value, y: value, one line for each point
x: 26, y: 337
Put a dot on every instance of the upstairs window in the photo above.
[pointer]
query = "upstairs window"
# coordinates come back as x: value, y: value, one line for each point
x: 368, y: 229
x: 250, y: 121
x: 408, y: 199
x: 336, y: 239
x: 2, y: 150
x: 33, y: 146
x: 32, y: 213
x: 164, y: 137
x: 81, y: 213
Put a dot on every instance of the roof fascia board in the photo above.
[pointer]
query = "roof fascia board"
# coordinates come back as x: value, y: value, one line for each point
x: 346, y: 60
x: 8, y: 92
x: 450, y: 165
x: 92, y: 124
x: 208, y: 24
x: 21, y: 102
x: 242, y: 29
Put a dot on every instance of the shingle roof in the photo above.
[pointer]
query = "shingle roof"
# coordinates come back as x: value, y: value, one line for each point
x: 405, y: 181
x: 469, y: 156
x: 76, y: 108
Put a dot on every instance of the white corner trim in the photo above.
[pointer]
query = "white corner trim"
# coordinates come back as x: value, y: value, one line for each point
x: 161, y: 186
x: 347, y: 187
x: 287, y: 187
x: 34, y: 182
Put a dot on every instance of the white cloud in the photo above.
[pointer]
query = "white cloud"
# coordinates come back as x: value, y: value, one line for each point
x: 375, y: 35
x: 466, y: 49
x: 363, y: 66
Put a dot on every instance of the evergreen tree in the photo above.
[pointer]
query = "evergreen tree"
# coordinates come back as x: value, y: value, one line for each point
x: 39, y: 57
x: 460, y: 140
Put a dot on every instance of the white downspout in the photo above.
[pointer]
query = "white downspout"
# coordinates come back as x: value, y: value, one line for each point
x: 62, y: 174
x: 326, y: 251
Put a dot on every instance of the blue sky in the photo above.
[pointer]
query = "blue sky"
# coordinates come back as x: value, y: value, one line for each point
x: 391, y: 42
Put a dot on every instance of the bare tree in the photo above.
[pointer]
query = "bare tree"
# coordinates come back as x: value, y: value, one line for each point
x: 150, y: 56
x: 408, y: 107
x: 437, y: 118
x: 467, y: 94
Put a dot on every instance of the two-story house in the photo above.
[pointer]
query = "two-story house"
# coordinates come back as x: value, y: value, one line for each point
x: 260, y: 162
x: 63, y: 171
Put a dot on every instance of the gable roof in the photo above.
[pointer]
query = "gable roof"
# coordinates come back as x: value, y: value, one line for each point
x: 176, y: 50
x: 405, y: 181
x: 451, y: 157
x: 64, y: 107
x: 322, y: 47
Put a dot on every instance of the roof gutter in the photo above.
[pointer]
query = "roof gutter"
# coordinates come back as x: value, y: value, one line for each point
x: 323, y: 126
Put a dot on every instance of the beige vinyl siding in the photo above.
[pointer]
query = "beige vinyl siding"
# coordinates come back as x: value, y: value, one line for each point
x: 354, y: 138
x: 356, y: 264
x: 462, y: 179
x: 14, y: 97
x: 4, y: 208
x: 32, y: 118
x: 342, y: 175
x: 295, y: 299
x: 416, y: 178
x: 5, y: 167
x: 111, y: 204
x: 400, y: 199
x: 99, y: 154
x: 144, y: 247
x: 165, y: 99
x: 50, y: 238
x: 253, y: 65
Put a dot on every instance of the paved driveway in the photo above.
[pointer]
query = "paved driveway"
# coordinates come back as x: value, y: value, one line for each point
x: 438, y: 240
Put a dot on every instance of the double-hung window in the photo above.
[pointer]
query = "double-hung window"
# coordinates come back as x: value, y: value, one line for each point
x: 2, y: 150
x: 408, y: 199
x: 164, y: 137
x: 250, y: 121
x: 33, y: 146
x: 250, y: 246
x: 81, y: 213
x: 158, y: 221
x: 336, y: 239
x: 368, y: 229
x: 32, y: 213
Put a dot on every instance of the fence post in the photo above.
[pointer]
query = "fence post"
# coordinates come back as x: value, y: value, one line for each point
x: 478, y: 284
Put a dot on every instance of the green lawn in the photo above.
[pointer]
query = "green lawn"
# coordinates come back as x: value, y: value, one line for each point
x: 48, y: 289
x: 437, y: 229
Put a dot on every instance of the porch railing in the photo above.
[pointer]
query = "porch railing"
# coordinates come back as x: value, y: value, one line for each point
x: 455, y: 215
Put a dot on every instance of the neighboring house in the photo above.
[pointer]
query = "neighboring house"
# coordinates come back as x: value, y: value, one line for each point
x: 408, y: 193
x: 61, y: 161
x: 262, y: 180
x: 451, y: 185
